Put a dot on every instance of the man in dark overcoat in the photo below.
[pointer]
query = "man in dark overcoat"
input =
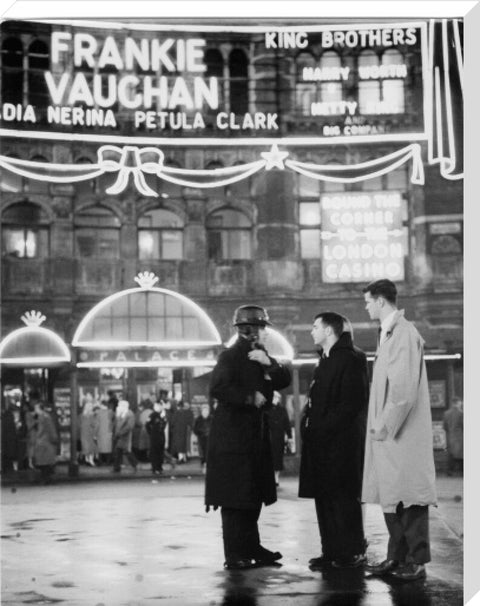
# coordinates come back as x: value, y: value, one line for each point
x: 240, y: 476
x: 333, y: 436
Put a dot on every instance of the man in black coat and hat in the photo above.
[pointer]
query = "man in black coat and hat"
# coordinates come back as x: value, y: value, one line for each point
x: 240, y: 476
x: 333, y: 437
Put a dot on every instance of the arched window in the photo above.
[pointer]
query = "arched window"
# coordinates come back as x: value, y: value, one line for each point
x: 25, y: 231
x: 160, y: 235
x: 381, y: 82
x: 305, y: 90
x: 229, y: 234
x: 238, y: 68
x: 38, y: 64
x: 12, y: 71
x: 368, y: 88
x: 393, y: 83
x: 215, y: 69
x: 331, y: 89
x: 97, y: 233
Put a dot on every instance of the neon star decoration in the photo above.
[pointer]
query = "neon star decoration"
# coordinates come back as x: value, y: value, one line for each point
x: 274, y: 158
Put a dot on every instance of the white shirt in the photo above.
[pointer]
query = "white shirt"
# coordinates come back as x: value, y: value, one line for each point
x: 386, y: 324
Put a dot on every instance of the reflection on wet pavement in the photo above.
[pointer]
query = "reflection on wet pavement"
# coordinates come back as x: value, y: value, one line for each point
x: 134, y: 544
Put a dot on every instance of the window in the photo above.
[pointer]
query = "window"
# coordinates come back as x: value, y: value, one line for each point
x: 25, y: 231
x: 97, y: 233
x: 12, y: 71
x: 38, y: 64
x: 215, y: 66
x: 318, y: 81
x: 238, y: 67
x: 305, y: 91
x: 310, y: 234
x: 381, y: 82
x: 160, y: 235
x: 228, y: 235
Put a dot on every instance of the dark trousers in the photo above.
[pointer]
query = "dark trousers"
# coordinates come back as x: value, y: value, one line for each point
x: 157, y: 455
x: 409, y: 538
x: 202, y: 448
x: 118, y: 456
x: 241, y: 539
x: 340, y: 523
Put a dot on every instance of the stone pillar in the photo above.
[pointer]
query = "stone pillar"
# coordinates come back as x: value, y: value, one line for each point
x: 73, y: 463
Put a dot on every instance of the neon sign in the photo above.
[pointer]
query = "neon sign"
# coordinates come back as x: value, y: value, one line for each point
x: 161, y: 83
x: 363, y: 237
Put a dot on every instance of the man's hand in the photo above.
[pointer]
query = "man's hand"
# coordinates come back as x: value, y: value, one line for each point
x: 259, y: 399
x: 258, y: 355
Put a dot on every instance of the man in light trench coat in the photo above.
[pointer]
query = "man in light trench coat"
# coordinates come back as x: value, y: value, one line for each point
x: 399, y: 471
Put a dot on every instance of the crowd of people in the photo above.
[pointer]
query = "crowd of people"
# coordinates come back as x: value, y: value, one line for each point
x: 159, y: 430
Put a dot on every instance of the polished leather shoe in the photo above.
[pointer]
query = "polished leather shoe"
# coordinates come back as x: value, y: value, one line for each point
x: 385, y: 567
x: 410, y: 572
x: 320, y: 563
x: 265, y: 556
x: 240, y: 564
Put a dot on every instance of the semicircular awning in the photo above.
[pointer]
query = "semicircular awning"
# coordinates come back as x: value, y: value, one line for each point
x: 275, y: 343
x: 146, y: 317
x: 34, y: 347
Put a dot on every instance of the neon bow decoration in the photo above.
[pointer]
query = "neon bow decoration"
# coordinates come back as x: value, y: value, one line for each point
x: 132, y: 161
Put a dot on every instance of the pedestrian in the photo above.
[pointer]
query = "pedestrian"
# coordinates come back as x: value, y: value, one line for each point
x: 201, y: 428
x: 10, y: 439
x: 155, y: 426
x: 333, y: 439
x: 45, y: 438
x: 105, y: 416
x: 89, y: 431
x: 122, y: 436
x: 453, y: 425
x: 181, y: 427
x: 280, y: 431
x: 140, y: 438
x: 240, y: 475
x: 399, y: 471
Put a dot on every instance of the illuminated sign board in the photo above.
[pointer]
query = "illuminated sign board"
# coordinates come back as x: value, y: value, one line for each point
x: 146, y: 357
x: 363, y: 237
x: 320, y: 82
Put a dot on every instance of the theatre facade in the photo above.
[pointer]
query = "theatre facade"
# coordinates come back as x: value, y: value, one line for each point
x: 276, y: 163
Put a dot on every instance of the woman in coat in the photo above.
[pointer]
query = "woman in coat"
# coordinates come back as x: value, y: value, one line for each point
x: 122, y: 436
x: 240, y: 476
x: 105, y: 416
x: 201, y: 429
x: 89, y: 432
x: 155, y: 426
x: 181, y: 427
x: 45, y: 441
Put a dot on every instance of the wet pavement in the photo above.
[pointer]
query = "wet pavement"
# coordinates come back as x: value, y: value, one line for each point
x: 150, y: 541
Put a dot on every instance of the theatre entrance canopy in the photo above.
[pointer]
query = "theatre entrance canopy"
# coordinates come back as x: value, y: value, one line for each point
x: 146, y: 327
x: 33, y: 346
